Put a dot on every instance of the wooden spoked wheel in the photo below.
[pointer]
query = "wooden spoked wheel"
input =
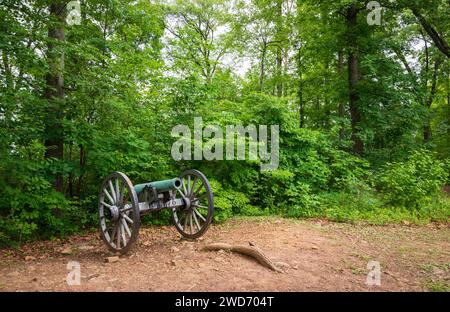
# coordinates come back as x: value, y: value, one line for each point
x: 119, y: 213
x: 193, y: 219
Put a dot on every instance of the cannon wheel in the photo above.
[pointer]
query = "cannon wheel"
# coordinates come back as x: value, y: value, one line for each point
x: 193, y: 221
x: 119, y: 213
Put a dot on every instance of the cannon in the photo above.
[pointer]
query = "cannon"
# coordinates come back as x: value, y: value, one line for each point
x: 121, y: 206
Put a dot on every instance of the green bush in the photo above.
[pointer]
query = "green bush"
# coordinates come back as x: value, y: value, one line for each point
x: 414, y: 182
x: 223, y: 202
x: 347, y: 207
x: 300, y: 201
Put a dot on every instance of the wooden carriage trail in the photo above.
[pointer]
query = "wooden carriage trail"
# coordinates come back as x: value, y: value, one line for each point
x: 313, y: 255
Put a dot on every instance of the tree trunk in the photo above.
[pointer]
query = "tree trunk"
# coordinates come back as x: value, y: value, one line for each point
x: 448, y: 103
x: 70, y: 179
x: 427, y: 127
x: 279, y: 53
x: 263, y: 66
x: 354, y: 78
x: 301, y: 104
x: 327, y: 120
x: 82, y: 167
x: 54, y: 90
x: 341, y: 103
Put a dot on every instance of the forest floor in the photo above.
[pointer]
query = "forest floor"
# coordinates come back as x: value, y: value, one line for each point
x: 321, y: 256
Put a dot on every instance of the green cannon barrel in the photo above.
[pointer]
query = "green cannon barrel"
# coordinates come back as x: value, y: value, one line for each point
x: 161, y: 186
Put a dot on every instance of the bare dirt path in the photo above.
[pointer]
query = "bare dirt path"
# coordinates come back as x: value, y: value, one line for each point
x: 322, y: 256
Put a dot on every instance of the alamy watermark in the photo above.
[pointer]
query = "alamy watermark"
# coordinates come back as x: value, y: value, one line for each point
x: 374, y: 16
x: 74, y: 276
x: 73, y: 13
x: 374, y: 275
x: 237, y: 137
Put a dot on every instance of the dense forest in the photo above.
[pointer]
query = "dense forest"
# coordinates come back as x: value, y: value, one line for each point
x: 360, y: 91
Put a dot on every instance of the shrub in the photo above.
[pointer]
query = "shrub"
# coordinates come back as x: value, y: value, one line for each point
x: 300, y: 201
x: 414, y: 182
x: 223, y: 202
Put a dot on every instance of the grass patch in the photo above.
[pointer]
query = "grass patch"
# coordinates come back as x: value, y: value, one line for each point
x: 437, y: 286
x: 369, y: 207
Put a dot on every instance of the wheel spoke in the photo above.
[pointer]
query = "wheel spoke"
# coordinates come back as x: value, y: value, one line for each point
x: 198, y: 189
x: 178, y: 220
x: 184, y: 186
x: 113, y: 234
x: 181, y: 192
x: 196, y: 221
x: 118, y: 236
x: 201, y: 206
x: 109, y: 196
x: 193, y: 187
x: 189, y: 185
x: 175, y: 216
x: 125, y: 225
x: 117, y: 192
x: 105, y: 204
x: 124, y: 239
x: 122, y: 190
x: 198, y: 197
x: 199, y: 214
x: 185, y: 221
x: 190, y: 222
x: 126, y: 208
x: 127, y: 218
x: 113, y: 193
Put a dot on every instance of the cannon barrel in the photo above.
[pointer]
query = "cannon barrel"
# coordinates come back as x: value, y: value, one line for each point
x: 160, y: 186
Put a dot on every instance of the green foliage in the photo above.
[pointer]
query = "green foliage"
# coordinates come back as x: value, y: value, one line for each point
x: 134, y: 69
x: 223, y: 202
x: 414, y: 182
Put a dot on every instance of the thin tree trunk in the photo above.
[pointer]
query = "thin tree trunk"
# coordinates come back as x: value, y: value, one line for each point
x: 70, y: 179
x: 263, y: 65
x: 279, y: 52
x: 341, y: 103
x: 448, y: 103
x: 301, y: 104
x: 427, y: 128
x: 82, y: 166
x: 327, y: 120
x: 54, y: 90
x: 354, y: 78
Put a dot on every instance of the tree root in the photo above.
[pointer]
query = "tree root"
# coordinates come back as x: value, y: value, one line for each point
x: 251, y: 251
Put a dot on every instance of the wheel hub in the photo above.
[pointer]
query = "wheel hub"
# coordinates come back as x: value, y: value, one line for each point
x: 114, y: 210
x: 187, y: 203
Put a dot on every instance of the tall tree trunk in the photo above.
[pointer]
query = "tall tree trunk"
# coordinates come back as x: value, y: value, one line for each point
x: 54, y: 90
x: 341, y: 102
x: 327, y: 121
x: 263, y: 66
x: 71, y: 176
x: 448, y: 103
x: 427, y: 127
x: 82, y: 168
x: 354, y: 78
x: 301, y: 104
x: 279, y: 52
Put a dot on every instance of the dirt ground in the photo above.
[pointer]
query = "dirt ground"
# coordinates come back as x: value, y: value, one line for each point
x: 321, y: 256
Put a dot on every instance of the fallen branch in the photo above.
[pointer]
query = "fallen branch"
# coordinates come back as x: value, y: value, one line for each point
x: 251, y: 251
